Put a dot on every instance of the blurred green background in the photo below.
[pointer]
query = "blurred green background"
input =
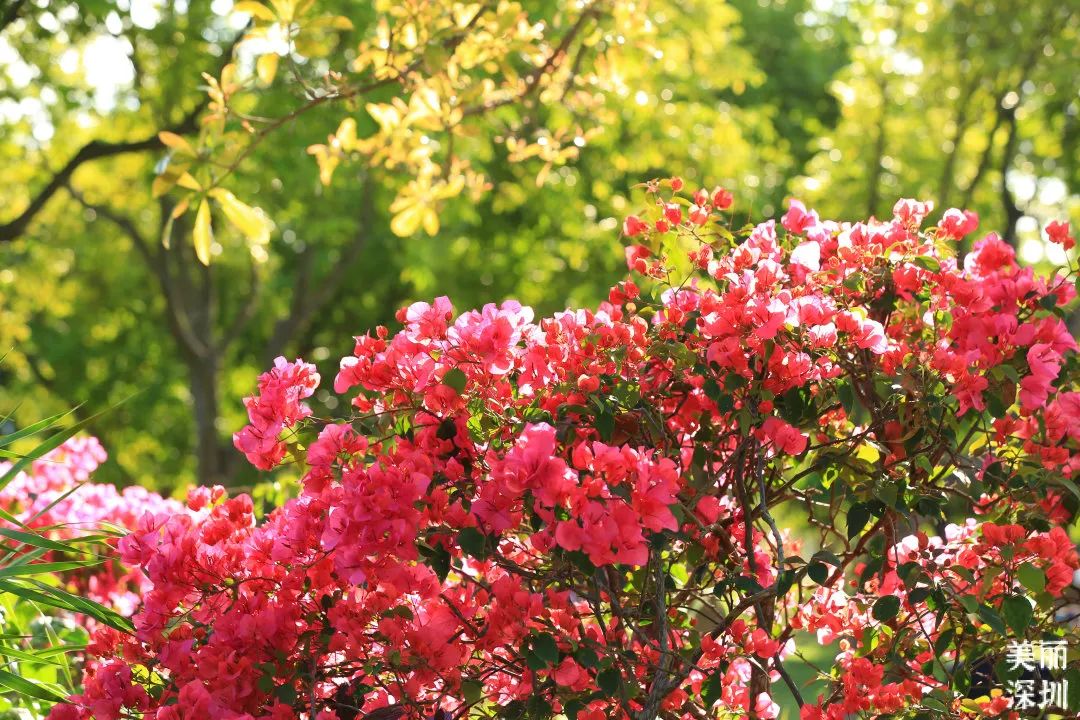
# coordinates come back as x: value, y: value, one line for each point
x: 847, y: 105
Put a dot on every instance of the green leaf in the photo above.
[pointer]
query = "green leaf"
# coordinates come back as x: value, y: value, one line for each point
x: 29, y: 688
x: 546, y: 648
x: 927, y: 262
x: 55, y: 597
x: 49, y: 444
x: 34, y: 428
x: 943, y: 641
x: 992, y: 618
x: 473, y: 542
x: 438, y: 559
x: 455, y: 378
x: 934, y: 704
x: 609, y: 681
x: 918, y: 595
x: 35, y: 540
x: 1072, y: 676
x: 1018, y: 613
x: 1061, y: 480
x: 472, y: 690
x: 711, y: 690
x: 31, y: 657
x: 748, y: 585
x: 858, y: 516
x: 964, y: 573
x: 586, y: 657
x: 605, y: 425
x: 538, y: 707
x: 286, y: 693
x: 970, y: 604
x: 995, y: 405
x: 1031, y: 577
x: 846, y: 394
x: 45, y: 568
x: 826, y: 556
x: 793, y: 406
x: 534, y: 661
x: 886, y: 608
x: 818, y: 572
x: 784, y: 581
x: 572, y: 708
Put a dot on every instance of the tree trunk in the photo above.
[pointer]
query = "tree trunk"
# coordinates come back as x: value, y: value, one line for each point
x: 212, y: 468
x: 873, y: 183
x: 1012, y: 212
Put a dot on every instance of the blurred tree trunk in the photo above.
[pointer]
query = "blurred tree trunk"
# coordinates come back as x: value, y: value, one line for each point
x: 212, y: 465
x: 1012, y: 212
x: 873, y: 182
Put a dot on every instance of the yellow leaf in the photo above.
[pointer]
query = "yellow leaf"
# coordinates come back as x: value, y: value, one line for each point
x: 181, y: 208
x: 386, y: 115
x: 228, y: 75
x: 204, y: 234
x: 189, y: 182
x: 255, y: 9
x: 346, y: 134
x: 176, y: 142
x: 431, y: 221
x: 409, y: 37
x: 248, y: 220
x: 266, y: 68
x: 451, y: 188
x: 310, y: 43
x: 286, y: 9
x: 868, y: 452
x: 463, y: 14
x: 542, y: 175
x: 161, y: 185
x: 326, y: 160
x: 424, y: 104
x: 164, y: 182
x: 406, y: 222
x: 330, y: 22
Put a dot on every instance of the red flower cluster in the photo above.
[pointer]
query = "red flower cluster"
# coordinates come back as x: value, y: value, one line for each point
x: 278, y: 406
x: 578, y: 514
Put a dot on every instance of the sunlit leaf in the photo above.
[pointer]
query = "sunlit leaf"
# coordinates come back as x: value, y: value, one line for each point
x: 266, y: 67
x: 408, y: 220
x: 186, y: 180
x: 167, y: 179
x: 203, y: 233
x: 386, y: 115
x: 250, y: 221
x: 326, y: 159
x: 255, y: 9
x: 177, y: 143
x: 330, y: 22
x: 346, y: 134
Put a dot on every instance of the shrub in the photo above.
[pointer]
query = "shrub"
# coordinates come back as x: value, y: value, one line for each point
x: 827, y: 427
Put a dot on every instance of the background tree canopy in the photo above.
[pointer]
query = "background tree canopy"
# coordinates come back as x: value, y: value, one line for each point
x: 845, y: 104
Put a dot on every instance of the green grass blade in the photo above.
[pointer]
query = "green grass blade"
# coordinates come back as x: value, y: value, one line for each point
x: 45, y: 568
x: 34, y: 428
x: 30, y: 688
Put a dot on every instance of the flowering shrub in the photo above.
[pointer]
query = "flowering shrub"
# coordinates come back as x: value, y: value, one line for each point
x: 580, y: 514
x: 56, y: 498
